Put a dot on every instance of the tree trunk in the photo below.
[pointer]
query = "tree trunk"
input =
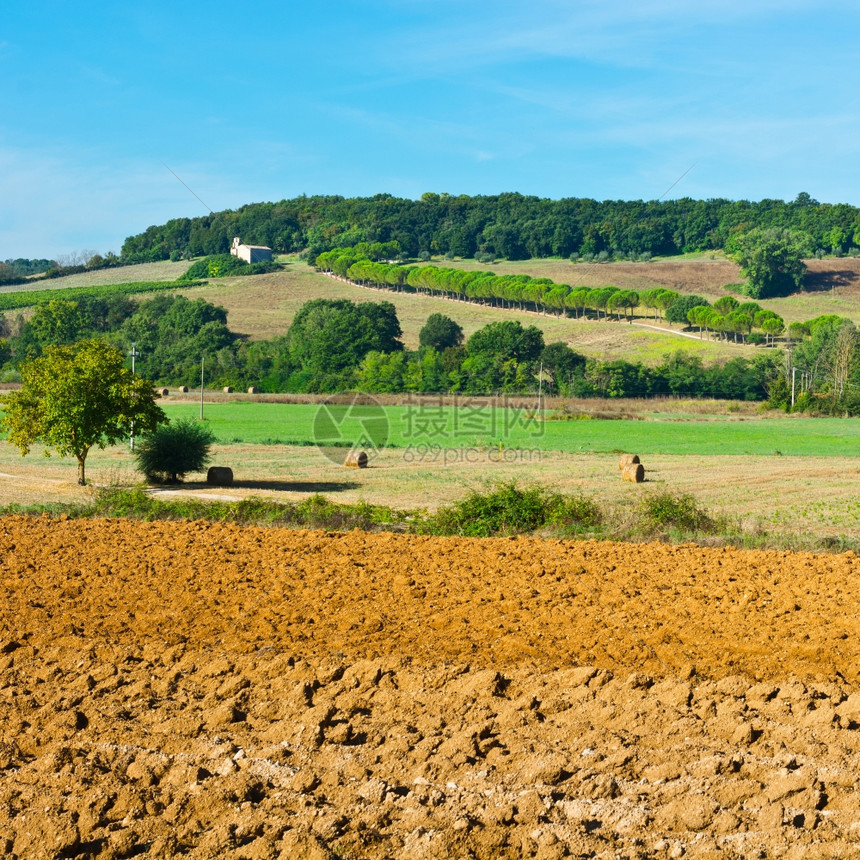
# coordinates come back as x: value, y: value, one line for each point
x: 81, y: 457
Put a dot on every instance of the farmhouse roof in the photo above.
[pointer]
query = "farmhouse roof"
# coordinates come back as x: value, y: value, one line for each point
x: 238, y: 243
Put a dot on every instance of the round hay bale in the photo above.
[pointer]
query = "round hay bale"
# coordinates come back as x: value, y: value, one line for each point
x: 164, y: 391
x: 253, y: 390
x: 183, y: 389
x: 356, y: 460
x: 627, y: 460
x: 221, y: 476
x: 635, y: 473
x: 227, y: 389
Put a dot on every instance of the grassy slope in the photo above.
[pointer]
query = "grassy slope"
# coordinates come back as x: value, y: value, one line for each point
x: 263, y: 306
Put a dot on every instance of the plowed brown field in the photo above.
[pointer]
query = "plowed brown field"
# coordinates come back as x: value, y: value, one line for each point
x: 213, y: 691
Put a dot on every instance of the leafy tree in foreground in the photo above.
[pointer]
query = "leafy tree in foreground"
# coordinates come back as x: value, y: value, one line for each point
x: 75, y: 397
x: 173, y: 450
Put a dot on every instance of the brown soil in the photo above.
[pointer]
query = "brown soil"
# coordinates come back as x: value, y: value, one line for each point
x: 214, y: 691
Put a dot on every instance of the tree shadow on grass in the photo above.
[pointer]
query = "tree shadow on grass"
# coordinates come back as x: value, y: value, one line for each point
x: 817, y: 282
x: 279, y: 486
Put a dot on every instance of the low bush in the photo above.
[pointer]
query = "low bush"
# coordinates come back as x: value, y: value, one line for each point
x: 173, y: 450
x: 508, y: 509
x: 315, y: 512
x: 573, y: 514
x: 226, y: 265
x: 665, y: 511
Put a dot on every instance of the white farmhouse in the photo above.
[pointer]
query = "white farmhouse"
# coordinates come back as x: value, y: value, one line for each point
x: 250, y: 253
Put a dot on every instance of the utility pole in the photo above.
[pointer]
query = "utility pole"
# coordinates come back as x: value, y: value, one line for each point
x: 540, y: 389
x: 202, y: 363
x: 793, y: 373
x: 134, y: 354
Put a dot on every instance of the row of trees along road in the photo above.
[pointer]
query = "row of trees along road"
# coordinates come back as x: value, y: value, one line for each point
x: 728, y: 317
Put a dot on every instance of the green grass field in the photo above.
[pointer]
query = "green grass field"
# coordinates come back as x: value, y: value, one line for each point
x: 422, y: 426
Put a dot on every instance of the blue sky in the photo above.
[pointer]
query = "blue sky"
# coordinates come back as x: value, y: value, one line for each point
x: 276, y: 99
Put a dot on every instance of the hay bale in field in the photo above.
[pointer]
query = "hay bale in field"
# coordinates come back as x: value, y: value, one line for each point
x: 253, y: 390
x: 221, y: 476
x: 183, y: 389
x: 627, y: 460
x: 356, y: 460
x: 228, y: 389
x: 163, y: 392
x: 635, y: 473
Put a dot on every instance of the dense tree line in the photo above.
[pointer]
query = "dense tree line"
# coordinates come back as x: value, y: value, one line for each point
x: 171, y: 332
x: 507, y: 358
x: 18, y: 270
x: 512, y: 226
x: 23, y: 266
x: 337, y: 345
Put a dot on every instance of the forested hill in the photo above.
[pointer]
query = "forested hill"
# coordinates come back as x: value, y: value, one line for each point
x: 507, y: 225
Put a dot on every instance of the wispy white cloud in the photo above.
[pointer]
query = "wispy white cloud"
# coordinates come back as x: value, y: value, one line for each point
x: 624, y: 34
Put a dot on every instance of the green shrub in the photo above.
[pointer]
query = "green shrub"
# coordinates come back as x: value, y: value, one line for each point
x: 316, y: 512
x: 508, y: 509
x: 678, y: 310
x: 226, y: 265
x: 575, y: 513
x: 216, y: 266
x: 174, y: 450
x: 661, y: 511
